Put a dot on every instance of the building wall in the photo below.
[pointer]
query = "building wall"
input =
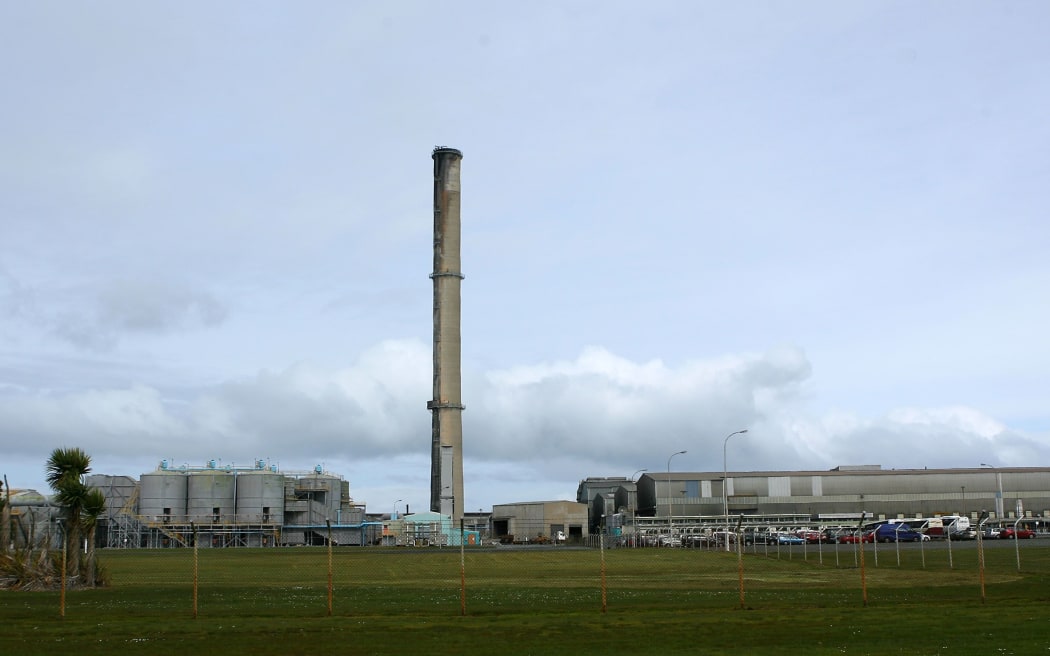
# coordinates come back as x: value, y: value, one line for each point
x: 540, y: 519
x: 888, y: 493
x: 589, y: 487
x: 606, y: 496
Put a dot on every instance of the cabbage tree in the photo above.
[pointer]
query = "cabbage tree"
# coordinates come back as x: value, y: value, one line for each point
x: 66, y: 469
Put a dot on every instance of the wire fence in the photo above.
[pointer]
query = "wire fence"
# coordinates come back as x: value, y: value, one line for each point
x: 450, y: 574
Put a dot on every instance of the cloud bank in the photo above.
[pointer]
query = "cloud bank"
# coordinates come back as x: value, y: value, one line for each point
x: 529, y: 431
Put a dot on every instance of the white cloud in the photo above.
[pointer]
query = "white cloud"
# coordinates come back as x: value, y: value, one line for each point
x: 604, y: 406
x: 528, y: 430
x: 962, y: 419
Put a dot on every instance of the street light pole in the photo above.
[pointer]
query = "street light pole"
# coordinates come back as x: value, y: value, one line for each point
x: 998, y: 493
x: 725, y: 482
x: 670, y: 515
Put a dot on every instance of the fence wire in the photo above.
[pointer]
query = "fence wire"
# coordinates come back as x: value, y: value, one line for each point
x: 450, y: 574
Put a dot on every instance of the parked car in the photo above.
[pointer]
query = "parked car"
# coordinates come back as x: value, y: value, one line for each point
x: 898, y: 533
x: 991, y: 532
x: 722, y: 537
x: 787, y: 538
x: 1020, y: 533
x: 698, y: 540
x: 760, y: 537
x: 812, y: 537
x: 848, y: 538
x: 968, y: 534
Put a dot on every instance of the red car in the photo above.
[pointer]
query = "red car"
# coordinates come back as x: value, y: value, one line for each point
x: 848, y: 539
x: 812, y: 537
x: 1010, y: 533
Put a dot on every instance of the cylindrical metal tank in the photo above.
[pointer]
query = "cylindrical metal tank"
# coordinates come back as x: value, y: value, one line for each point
x: 260, y: 497
x: 211, y: 497
x: 118, y: 490
x: 162, y: 497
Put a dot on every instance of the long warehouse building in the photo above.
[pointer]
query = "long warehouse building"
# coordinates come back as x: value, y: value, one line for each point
x: 1005, y: 493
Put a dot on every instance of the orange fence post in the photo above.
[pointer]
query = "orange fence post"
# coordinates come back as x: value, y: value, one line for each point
x: 329, y: 523
x: 196, y: 568
x: 462, y: 572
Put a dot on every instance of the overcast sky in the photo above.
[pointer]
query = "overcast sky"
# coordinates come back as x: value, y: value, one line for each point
x: 824, y: 222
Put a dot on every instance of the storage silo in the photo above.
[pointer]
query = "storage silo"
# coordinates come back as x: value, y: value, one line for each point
x: 211, y: 497
x: 324, y: 494
x: 260, y: 497
x: 119, y: 492
x: 162, y: 497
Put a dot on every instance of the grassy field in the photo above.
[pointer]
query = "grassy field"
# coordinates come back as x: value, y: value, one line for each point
x: 545, y: 601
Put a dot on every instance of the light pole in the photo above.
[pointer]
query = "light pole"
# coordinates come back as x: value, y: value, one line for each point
x: 393, y: 515
x: 725, y: 482
x: 998, y: 493
x: 670, y: 516
x: 639, y: 472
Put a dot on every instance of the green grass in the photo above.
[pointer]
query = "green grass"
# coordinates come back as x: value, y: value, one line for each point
x: 275, y: 601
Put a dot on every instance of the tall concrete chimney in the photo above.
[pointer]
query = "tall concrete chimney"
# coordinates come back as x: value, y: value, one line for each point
x: 446, y: 455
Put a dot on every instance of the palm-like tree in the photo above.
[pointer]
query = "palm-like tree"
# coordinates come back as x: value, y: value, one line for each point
x: 66, y: 465
x: 94, y: 506
x: 65, y: 474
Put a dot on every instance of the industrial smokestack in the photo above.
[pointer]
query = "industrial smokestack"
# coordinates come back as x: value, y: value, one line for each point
x: 446, y: 407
